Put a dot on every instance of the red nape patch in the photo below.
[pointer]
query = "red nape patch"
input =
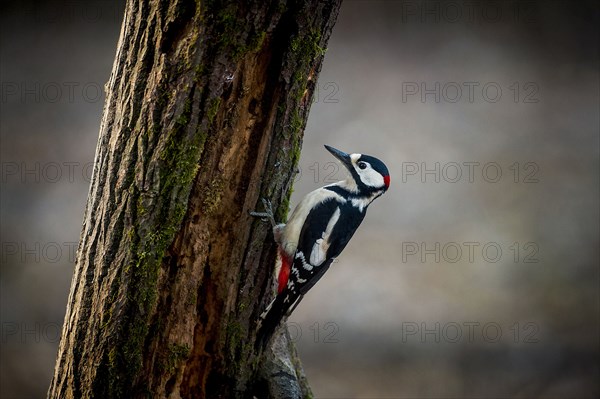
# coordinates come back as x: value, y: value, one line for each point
x: 386, y: 181
x: 284, y: 273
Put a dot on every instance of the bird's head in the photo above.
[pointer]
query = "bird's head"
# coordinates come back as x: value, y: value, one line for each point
x: 368, y: 174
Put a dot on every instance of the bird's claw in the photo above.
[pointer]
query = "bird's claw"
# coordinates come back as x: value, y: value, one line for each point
x: 268, y: 206
x: 268, y: 215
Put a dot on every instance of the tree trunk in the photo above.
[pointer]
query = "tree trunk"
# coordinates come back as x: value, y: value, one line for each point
x: 205, y: 111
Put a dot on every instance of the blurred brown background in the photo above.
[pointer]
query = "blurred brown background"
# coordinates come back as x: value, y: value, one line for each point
x: 475, y: 276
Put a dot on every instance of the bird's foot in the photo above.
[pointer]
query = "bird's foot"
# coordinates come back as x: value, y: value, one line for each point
x: 267, y: 215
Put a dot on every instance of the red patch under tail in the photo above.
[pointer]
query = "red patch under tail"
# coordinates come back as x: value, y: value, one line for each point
x: 284, y: 272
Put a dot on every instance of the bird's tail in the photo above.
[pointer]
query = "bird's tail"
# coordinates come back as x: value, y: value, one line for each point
x: 270, y: 320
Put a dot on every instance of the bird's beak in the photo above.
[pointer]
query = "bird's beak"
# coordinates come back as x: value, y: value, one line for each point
x: 341, y: 155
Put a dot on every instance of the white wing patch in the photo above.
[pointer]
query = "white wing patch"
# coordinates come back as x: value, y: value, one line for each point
x: 319, y: 250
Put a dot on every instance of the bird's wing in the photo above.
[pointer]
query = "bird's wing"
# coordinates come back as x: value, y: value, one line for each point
x: 326, y: 230
x: 316, y: 234
x: 319, y: 243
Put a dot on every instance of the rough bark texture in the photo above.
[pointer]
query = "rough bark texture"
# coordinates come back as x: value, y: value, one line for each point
x: 205, y: 112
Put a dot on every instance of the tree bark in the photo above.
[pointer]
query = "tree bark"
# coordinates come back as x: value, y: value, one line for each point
x: 205, y: 111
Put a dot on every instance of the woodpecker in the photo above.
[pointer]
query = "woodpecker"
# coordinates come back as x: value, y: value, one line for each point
x: 317, y: 232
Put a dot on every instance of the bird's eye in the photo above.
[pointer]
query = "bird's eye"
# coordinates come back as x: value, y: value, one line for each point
x: 362, y: 165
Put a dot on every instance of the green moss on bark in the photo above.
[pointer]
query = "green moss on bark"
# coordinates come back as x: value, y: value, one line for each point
x: 212, y: 196
x: 175, y: 356
x: 150, y: 238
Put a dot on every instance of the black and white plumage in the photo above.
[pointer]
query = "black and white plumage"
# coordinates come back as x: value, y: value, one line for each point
x: 318, y: 230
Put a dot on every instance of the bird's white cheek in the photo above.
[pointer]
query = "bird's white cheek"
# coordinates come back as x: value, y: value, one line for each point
x: 372, y: 178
